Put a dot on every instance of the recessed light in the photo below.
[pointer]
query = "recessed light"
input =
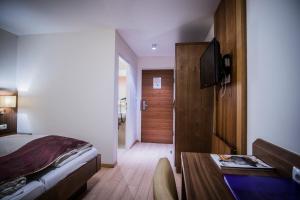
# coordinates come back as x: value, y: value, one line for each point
x: 154, y: 46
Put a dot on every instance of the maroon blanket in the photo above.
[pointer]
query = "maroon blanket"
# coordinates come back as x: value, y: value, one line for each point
x: 36, y: 156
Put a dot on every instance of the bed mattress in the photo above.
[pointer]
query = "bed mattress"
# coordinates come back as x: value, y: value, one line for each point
x: 57, y: 174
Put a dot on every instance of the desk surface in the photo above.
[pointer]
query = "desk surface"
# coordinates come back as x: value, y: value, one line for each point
x: 203, y: 179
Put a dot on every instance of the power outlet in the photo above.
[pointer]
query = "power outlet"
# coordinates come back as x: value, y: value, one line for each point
x: 3, y: 126
x: 296, y: 174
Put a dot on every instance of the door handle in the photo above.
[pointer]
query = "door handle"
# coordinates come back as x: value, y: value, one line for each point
x: 144, y: 105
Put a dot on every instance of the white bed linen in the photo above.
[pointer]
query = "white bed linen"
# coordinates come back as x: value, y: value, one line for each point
x: 30, y: 191
x: 54, y: 176
x: 72, y: 155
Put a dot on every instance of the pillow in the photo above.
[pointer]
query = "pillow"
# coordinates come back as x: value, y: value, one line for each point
x: 62, y: 160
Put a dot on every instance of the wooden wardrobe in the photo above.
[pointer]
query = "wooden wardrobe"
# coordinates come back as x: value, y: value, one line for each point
x: 193, y: 106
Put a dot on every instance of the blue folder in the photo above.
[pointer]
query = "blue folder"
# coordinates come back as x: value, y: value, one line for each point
x: 262, y: 187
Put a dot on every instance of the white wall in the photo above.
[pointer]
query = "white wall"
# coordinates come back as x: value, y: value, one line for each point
x: 273, y: 49
x: 125, y: 52
x: 156, y: 62
x: 8, y: 59
x: 210, y: 35
x: 148, y: 63
x: 66, y: 84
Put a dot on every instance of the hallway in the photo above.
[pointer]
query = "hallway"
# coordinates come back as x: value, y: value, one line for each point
x: 132, y: 177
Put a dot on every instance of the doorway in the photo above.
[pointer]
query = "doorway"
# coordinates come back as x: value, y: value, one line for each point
x: 122, y: 102
x: 157, y: 106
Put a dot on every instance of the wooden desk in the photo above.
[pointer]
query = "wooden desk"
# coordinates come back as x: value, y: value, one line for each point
x: 203, y: 179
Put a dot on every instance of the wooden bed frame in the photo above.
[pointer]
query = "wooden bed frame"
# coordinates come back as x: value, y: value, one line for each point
x: 279, y: 158
x: 75, y: 183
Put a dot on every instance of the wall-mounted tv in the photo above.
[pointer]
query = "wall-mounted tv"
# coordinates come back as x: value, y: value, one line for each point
x: 210, y: 65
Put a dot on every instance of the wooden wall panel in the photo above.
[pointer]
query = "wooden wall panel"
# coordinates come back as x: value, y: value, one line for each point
x: 193, y: 106
x: 220, y: 147
x: 230, y: 108
x: 241, y: 60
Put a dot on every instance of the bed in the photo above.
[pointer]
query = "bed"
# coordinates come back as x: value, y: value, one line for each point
x: 61, y: 178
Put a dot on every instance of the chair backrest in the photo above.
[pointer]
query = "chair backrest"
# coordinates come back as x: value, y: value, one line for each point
x: 164, y: 186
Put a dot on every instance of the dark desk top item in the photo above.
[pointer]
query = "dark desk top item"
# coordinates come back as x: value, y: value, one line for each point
x: 262, y: 187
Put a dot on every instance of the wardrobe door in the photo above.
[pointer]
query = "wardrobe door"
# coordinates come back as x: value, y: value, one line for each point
x: 193, y: 106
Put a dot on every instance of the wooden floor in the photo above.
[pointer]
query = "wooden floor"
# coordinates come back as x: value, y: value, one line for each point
x: 132, y: 177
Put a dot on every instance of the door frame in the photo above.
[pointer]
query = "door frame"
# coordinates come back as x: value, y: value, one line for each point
x: 121, y: 59
x: 139, y: 97
x: 131, y: 122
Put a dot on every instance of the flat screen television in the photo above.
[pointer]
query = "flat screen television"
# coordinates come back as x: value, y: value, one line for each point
x: 210, y: 65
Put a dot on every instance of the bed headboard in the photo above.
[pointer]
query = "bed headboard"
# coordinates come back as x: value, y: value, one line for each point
x: 10, y: 115
x: 282, y: 159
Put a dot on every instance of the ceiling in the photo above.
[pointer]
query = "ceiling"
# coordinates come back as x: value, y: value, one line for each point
x: 140, y: 22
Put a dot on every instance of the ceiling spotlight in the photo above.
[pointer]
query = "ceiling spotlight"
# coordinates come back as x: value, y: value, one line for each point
x: 154, y: 46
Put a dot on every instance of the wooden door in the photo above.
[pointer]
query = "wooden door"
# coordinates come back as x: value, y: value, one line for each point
x: 157, y: 106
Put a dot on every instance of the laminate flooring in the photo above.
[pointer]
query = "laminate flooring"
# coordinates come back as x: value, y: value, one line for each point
x: 132, y: 177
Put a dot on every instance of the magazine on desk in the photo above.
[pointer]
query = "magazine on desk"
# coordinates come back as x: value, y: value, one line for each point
x: 239, y: 161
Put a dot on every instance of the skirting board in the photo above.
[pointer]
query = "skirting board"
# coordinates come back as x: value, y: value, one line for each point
x: 108, y: 165
x: 114, y: 164
x: 134, y: 144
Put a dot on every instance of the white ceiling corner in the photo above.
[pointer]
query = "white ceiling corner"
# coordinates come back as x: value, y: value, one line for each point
x: 140, y: 22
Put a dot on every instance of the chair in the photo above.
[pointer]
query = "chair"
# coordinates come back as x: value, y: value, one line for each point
x: 164, y: 186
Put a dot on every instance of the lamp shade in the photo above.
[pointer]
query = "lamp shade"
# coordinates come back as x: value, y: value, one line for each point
x: 8, y: 101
